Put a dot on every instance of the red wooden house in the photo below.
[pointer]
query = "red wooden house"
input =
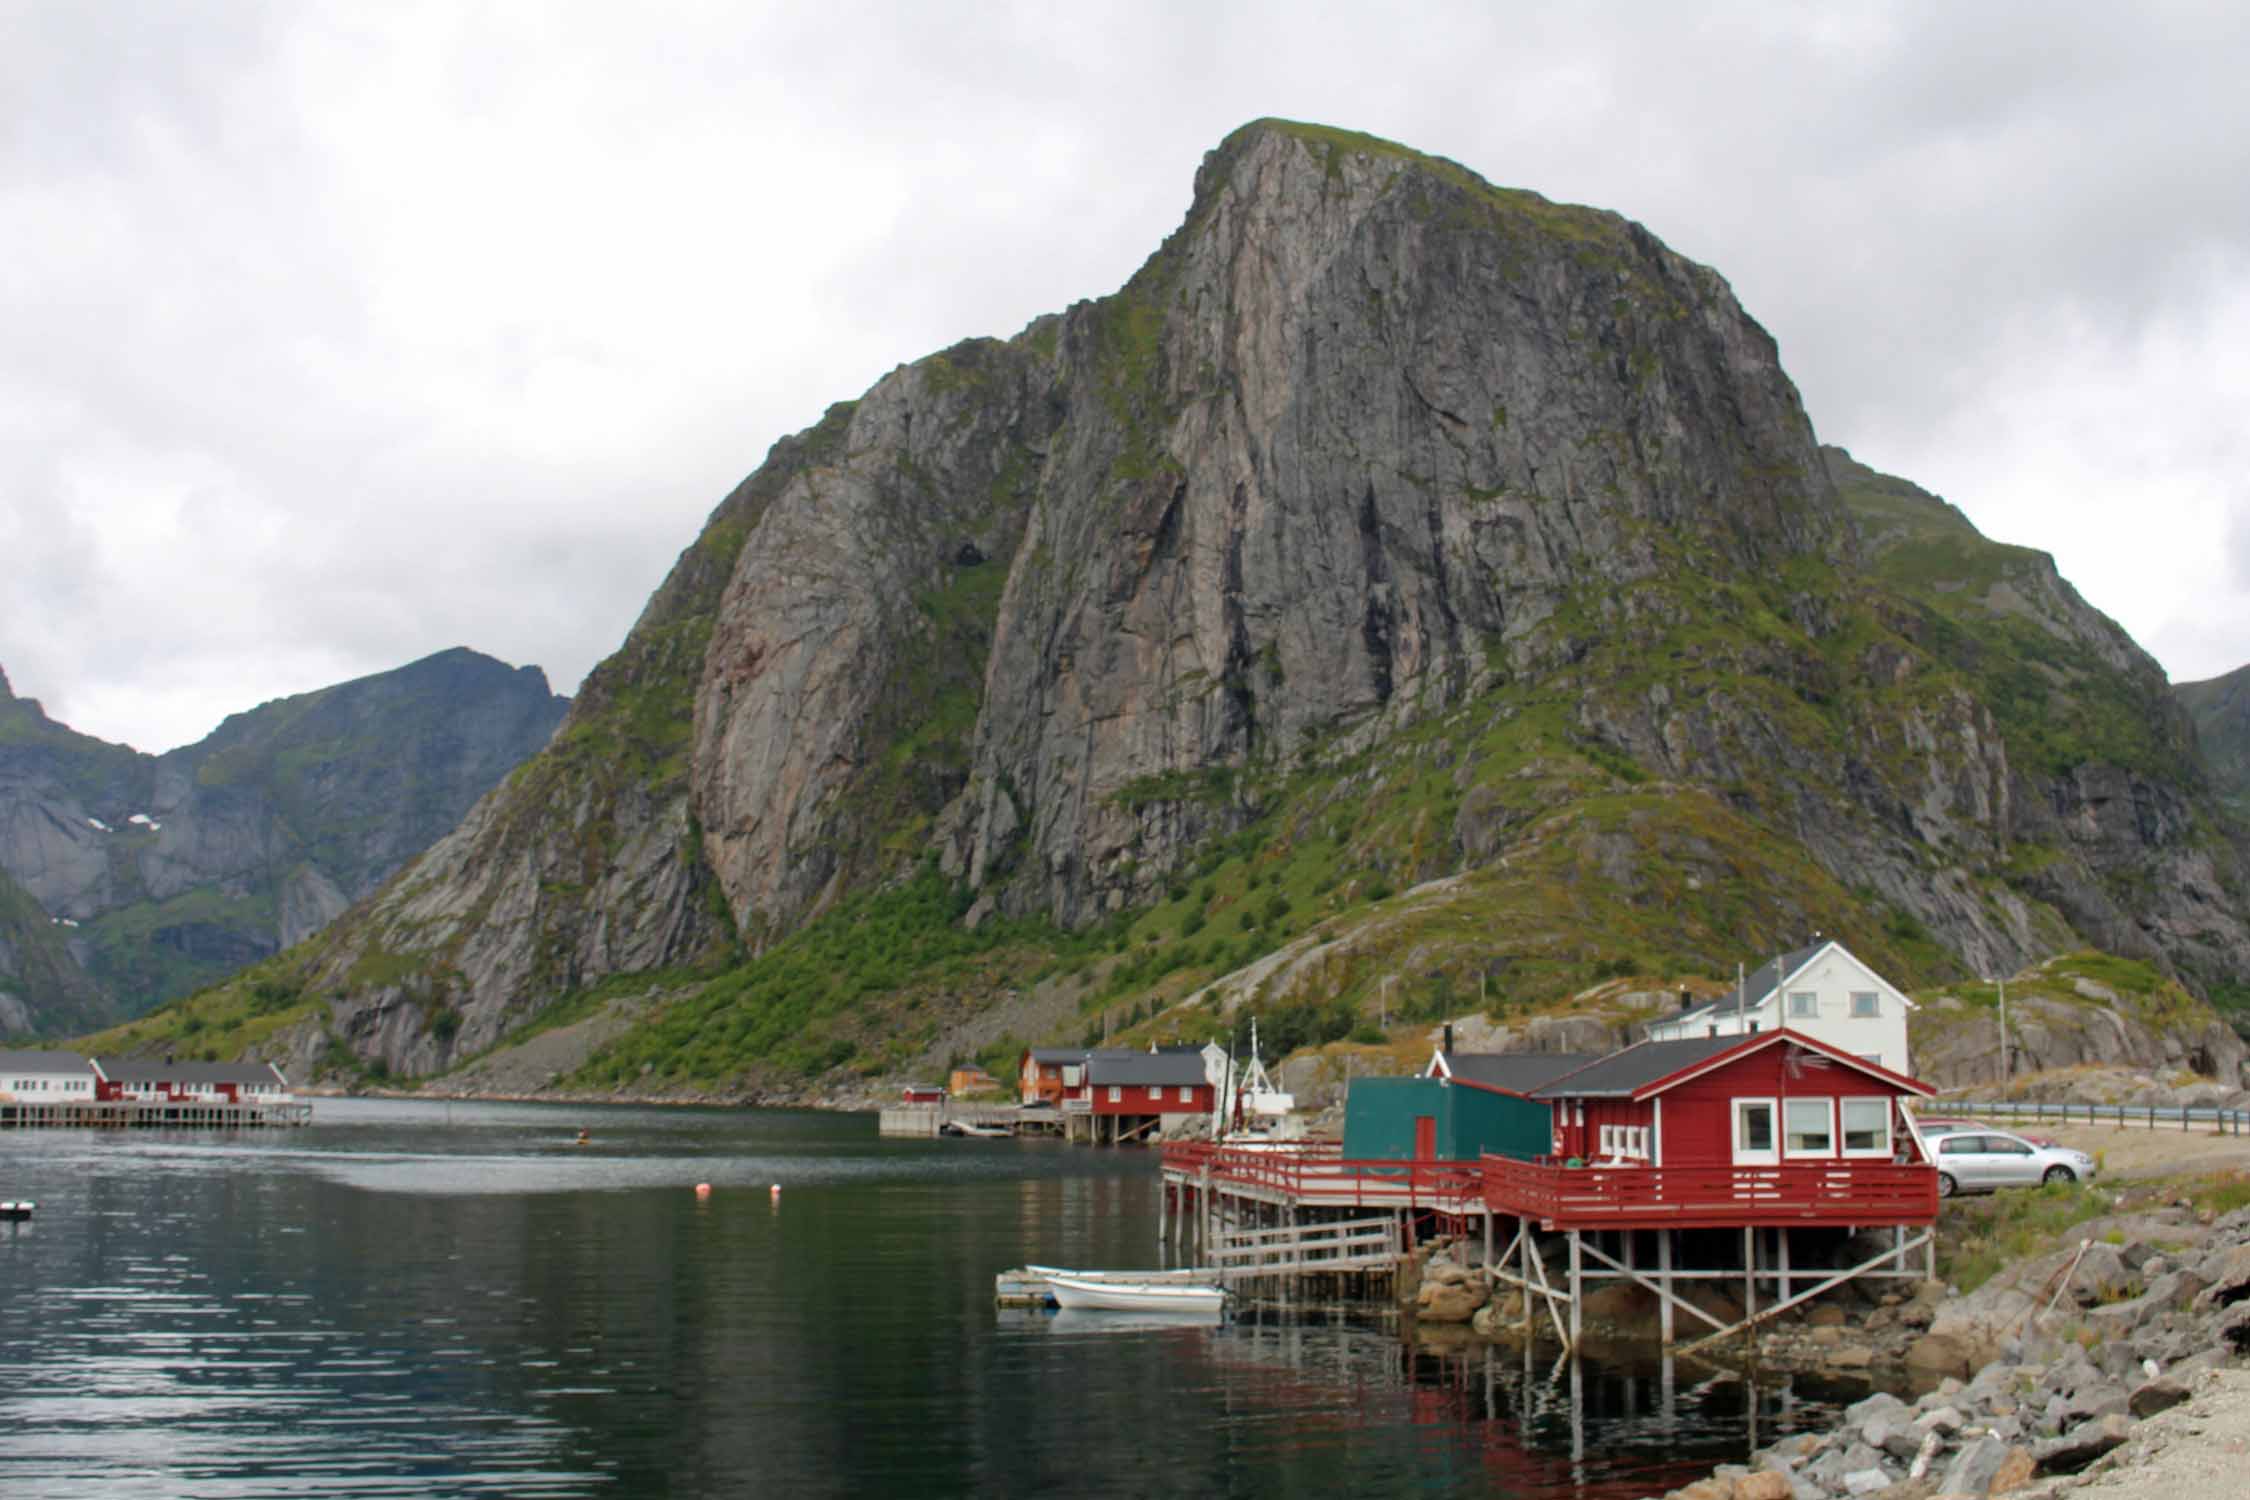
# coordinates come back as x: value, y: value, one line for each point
x: 1167, y: 1082
x: 1718, y: 1131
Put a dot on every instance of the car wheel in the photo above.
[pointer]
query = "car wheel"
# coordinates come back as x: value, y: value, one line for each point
x: 2059, y: 1174
x: 1945, y: 1184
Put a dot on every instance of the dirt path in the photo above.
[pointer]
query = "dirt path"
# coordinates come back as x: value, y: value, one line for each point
x: 2197, y: 1451
x: 2134, y: 1151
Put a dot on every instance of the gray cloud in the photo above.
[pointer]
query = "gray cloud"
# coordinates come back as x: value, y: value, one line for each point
x: 333, y: 335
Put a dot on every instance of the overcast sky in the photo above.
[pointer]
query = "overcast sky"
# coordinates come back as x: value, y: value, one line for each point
x: 335, y: 335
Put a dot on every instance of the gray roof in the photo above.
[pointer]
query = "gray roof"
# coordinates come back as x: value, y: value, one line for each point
x: 1620, y: 1073
x: 1517, y: 1072
x: 1143, y: 1069
x: 1757, y: 984
x: 1058, y: 1054
x: 44, y: 1062
x: 128, y: 1069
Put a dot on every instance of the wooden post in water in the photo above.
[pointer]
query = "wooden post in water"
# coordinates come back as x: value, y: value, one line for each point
x: 1664, y: 1303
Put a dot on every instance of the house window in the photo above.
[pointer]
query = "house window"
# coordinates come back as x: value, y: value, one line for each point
x: 1865, y: 1005
x: 1804, y: 1005
x: 1753, y: 1130
x: 1116, y: 1094
x: 1187, y: 1093
x: 1809, y: 1127
x: 1867, y: 1127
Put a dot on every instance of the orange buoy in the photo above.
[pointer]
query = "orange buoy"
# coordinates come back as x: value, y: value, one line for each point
x: 703, y: 1190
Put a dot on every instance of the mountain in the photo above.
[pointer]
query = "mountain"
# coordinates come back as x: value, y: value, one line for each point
x: 178, y: 869
x: 42, y: 989
x: 1402, y: 590
x: 2221, y: 710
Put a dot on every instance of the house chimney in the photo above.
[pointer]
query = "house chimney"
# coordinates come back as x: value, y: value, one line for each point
x: 1711, y: 1031
x: 1687, y: 1001
x: 1449, y: 1036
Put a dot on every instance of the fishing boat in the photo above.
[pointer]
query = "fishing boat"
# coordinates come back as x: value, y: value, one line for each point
x: 973, y: 1129
x: 1136, y: 1296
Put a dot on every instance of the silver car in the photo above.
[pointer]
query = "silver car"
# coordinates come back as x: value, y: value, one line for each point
x: 1979, y: 1160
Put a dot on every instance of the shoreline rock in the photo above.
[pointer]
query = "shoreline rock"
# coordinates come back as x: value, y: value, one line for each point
x: 2132, y: 1331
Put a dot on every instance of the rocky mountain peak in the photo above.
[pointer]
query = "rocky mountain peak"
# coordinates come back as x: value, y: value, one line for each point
x: 7, y: 694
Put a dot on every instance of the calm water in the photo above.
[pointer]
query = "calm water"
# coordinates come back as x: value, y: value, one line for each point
x: 422, y: 1299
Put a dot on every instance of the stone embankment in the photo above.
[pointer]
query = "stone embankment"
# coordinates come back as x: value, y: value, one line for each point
x: 2075, y: 1350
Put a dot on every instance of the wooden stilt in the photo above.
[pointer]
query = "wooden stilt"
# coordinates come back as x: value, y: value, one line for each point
x: 1577, y: 1289
x: 1928, y: 1238
x: 1665, y: 1298
x: 1664, y: 1294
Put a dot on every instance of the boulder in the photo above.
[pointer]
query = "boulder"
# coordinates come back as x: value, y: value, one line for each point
x: 1766, y: 1486
x: 2014, y: 1473
x: 2160, y: 1394
x: 1939, y: 1353
x: 1974, y: 1468
x: 1865, y: 1482
x: 2082, y: 1444
x: 1826, y: 1315
x: 1450, y: 1301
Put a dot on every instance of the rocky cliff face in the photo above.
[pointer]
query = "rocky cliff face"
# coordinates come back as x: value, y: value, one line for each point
x: 173, y: 870
x: 42, y: 989
x: 2221, y: 711
x: 1387, y: 527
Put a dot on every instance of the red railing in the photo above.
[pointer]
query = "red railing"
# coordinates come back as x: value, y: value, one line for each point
x: 1819, y: 1192
x: 1317, y: 1172
x: 1698, y: 1197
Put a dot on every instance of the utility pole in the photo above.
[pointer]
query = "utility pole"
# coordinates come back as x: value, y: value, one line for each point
x: 2007, y: 1064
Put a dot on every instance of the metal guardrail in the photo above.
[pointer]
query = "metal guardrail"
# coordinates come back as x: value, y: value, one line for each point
x: 2151, y: 1116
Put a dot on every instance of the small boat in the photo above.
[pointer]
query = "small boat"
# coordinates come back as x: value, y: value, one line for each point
x: 972, y: 1128
x: 17, y: 1210
x: 1136, y: 1296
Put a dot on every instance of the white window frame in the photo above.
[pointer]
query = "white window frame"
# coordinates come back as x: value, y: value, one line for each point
x: 1116, y: 1094
x: 1744, y: 1156
x: 1827, y: 1106
x: 1874, y: 1007
x: 1843, y: 1126
x: 1809, y: 1010
x: 1187, y: 1093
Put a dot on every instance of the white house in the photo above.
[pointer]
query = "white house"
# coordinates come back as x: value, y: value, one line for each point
x: 46, y: 1078
x: 1820, y: 990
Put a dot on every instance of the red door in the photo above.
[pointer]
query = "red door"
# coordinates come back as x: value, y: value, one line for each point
x: 1425, y: 1137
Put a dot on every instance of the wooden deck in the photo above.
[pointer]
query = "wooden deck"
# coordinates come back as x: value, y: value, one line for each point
x: 1556, y: 1197
x: 1316, y: 1175
x: 1830, y: 1192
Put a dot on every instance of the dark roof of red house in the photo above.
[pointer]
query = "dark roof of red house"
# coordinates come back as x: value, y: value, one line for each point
x: 1144, y: 1069
x: 1514, y: 1072
x: 1621, y: 1073
x: 1636, y: 1071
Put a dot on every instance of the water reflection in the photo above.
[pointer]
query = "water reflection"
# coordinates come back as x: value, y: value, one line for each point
x: 430, y: 1300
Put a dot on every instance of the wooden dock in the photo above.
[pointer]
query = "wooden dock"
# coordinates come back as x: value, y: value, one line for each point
x: 152, y: 1114
x: 930, y: 1119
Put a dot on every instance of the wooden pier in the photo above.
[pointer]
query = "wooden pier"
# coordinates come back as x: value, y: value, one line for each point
x: 1549, y: 1230
x: 152, y: 1114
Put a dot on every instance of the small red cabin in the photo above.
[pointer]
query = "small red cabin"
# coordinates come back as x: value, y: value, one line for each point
x: 922, y: 1093
x: 1148, y: 1083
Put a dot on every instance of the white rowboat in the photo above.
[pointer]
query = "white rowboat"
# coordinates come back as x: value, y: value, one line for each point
x: 1135, y: 1296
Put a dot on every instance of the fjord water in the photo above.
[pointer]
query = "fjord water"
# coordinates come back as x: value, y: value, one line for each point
x: 415, y: 1298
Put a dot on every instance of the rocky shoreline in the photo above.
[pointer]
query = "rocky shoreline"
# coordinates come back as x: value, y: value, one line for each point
x: 2077, y: 1349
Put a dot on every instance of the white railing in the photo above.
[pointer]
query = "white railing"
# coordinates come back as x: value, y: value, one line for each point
x: 2149, y: 1116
